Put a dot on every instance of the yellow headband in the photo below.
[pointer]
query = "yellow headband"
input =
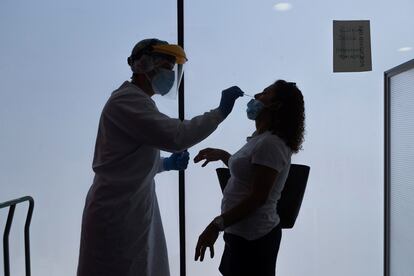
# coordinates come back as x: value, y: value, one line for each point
x: 172, y: 50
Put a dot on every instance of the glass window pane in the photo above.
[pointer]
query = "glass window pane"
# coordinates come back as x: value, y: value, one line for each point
x: 401, y: 175
x: 60, y: 61
x: 339, y: 230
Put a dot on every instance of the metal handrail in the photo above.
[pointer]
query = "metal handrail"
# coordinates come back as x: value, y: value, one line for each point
x: 12, y: 206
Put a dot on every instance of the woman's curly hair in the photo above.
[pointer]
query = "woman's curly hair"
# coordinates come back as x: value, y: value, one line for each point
x: 288, y: 116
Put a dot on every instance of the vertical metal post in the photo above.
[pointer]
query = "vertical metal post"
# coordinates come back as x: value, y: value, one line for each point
x: 6, y: 240
x: 386, y: 174
x: 27, y: 236
x: 181, y: 177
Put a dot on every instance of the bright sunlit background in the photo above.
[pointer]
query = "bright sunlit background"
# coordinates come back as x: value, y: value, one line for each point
x: 60, y: 60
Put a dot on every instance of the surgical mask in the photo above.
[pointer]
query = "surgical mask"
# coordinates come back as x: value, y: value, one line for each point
x: 163, y: 81
x: 254, y: 107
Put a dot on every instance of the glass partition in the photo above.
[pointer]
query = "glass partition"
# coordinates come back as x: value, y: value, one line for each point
x: 339, y: 230
x: 60, y: 61
x: 399, y: 84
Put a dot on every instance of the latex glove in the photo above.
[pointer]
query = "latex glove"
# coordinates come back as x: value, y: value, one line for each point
x: 228, y: 97
x: 177, y: 161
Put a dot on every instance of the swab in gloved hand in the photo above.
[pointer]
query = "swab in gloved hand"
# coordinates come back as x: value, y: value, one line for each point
x: 228, y: 97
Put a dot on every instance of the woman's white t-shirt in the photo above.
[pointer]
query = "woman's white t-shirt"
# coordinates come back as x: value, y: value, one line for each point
x: 265, y: 149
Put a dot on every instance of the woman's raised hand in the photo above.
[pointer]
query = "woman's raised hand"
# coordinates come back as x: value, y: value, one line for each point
x: 209, y: 154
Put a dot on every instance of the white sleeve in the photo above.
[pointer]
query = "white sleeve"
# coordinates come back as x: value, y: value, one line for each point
x: 161, y: 165
x: 270, y: 153
x: 138, y: 116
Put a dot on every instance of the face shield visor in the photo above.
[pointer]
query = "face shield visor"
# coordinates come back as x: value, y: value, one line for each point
x: 163, y: 65
x: 166, y: 76
x: 169, y: 63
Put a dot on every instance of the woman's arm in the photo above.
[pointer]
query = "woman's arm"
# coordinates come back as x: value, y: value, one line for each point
x: 263, y: 179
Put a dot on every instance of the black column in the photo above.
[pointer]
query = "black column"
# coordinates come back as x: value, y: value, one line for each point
x: 181, y: 176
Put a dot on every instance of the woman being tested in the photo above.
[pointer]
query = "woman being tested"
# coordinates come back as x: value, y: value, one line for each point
x: 258, y: 170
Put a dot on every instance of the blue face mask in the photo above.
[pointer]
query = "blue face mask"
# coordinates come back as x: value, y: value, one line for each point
x: 254, y: 107
x: 163, y: 81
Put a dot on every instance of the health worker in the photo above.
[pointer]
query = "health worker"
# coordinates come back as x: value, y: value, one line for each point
x: 122, y: 232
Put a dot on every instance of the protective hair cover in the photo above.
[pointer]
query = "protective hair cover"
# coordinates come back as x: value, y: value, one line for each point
x: 155, y: 46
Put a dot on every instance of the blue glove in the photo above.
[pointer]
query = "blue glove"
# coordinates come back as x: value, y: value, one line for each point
x: 177, y: 161
x: 228, y: 97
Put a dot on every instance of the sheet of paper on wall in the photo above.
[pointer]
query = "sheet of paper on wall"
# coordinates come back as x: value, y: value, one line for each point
x: 351, y: 46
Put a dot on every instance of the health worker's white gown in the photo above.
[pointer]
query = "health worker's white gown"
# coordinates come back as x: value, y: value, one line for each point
x: 122, y: 233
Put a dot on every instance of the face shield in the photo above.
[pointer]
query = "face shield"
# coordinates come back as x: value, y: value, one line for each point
x: 166, y: 76
x: 171, y: 57
x: 163, y: 65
